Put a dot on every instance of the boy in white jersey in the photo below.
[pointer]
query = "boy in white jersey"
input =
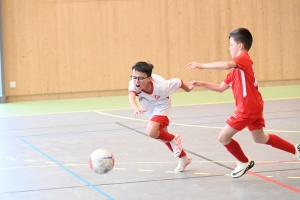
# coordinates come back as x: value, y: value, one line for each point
x: 248, y: 100
x: 153, y: 93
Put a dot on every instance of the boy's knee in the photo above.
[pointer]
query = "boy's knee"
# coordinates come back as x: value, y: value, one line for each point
x: 223, y: 139
x: 256, y: 140
x: 220, y: 138
x: 152, y: 133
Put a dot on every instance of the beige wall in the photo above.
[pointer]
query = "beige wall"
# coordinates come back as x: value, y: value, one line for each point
x: 69, y: 48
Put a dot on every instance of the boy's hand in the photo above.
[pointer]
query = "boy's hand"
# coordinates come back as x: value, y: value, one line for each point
x: 192, y: 84
x: 137, y: 111
x: 187, y: 88
x: 193, y: 65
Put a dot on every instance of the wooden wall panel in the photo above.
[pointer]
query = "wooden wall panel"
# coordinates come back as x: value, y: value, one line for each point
x: 70, y: 48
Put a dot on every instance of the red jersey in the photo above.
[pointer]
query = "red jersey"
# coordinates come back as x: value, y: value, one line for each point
x: 242, y: 79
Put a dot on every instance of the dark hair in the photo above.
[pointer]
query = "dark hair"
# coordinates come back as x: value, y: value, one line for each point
x: 144, y: 67
x: 242, y: 35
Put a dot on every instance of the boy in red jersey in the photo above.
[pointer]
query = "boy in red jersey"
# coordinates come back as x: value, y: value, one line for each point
x: 248, y: 101
x: 153, y: 93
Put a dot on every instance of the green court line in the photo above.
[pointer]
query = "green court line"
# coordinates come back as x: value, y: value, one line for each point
x: 121, y: 102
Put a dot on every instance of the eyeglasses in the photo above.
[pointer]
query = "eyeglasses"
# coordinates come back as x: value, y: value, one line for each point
x: 138, y: 78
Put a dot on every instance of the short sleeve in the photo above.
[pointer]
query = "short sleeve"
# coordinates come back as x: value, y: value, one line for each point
x: 243, y: 61
x: 172, y: 85
x: 228, y: 79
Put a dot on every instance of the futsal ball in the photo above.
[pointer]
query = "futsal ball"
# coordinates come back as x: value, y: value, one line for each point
x: 101, y: 161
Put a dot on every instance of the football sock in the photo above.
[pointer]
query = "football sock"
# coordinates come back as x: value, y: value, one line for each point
x: 281, y: 144
x: 235, y: 149
x: 182, y: 152
x: 164, y: 135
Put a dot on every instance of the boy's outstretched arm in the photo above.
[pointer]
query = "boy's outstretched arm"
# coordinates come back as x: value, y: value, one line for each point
x: 214, y: 65
x: 132, y: 101
x: 211, y: 86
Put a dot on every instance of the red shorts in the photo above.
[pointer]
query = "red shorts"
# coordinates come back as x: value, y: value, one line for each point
x: 163, y: 120
x: 239, y: 123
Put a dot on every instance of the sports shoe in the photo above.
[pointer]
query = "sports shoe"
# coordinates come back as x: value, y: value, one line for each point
x: 297, y: 154
x: 183, y: 162
x: 176, y: 145
x: 242, y: 168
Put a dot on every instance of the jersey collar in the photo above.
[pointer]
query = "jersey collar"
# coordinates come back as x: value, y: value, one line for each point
x: 151, y: 90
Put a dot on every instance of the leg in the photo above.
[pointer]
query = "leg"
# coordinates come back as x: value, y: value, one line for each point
x: 152, y: 129
x: 234, y: 124
x: 184, y: 159
x: 157, y: 129
x: 259, y: 136
x: 273, y: 140
x: 165, y: 129
x: 281, y: 144
x: 170, y: 146
x: 256, y: 129
x: 225, y: 137
x: 226, y: 134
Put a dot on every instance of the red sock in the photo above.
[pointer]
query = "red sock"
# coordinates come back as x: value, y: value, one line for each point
x: 235, y: 149
x: 164, y: 135
x: 281, y: 144
x: 170, y: 147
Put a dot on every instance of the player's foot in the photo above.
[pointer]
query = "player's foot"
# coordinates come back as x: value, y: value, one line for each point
x: 297, y: 154
x: 242, y: 168
x: 183, y: 162
x: 176, y: 145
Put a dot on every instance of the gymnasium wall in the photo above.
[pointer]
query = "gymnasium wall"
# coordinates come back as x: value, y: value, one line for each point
x: 56, y: 49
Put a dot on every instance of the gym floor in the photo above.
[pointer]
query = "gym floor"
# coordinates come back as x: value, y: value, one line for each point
x: 45, y: 147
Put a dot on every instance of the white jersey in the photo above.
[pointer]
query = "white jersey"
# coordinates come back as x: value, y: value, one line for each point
x: 158, y: 101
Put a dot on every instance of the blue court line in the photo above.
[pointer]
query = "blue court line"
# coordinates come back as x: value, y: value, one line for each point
x: 68, y: 170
